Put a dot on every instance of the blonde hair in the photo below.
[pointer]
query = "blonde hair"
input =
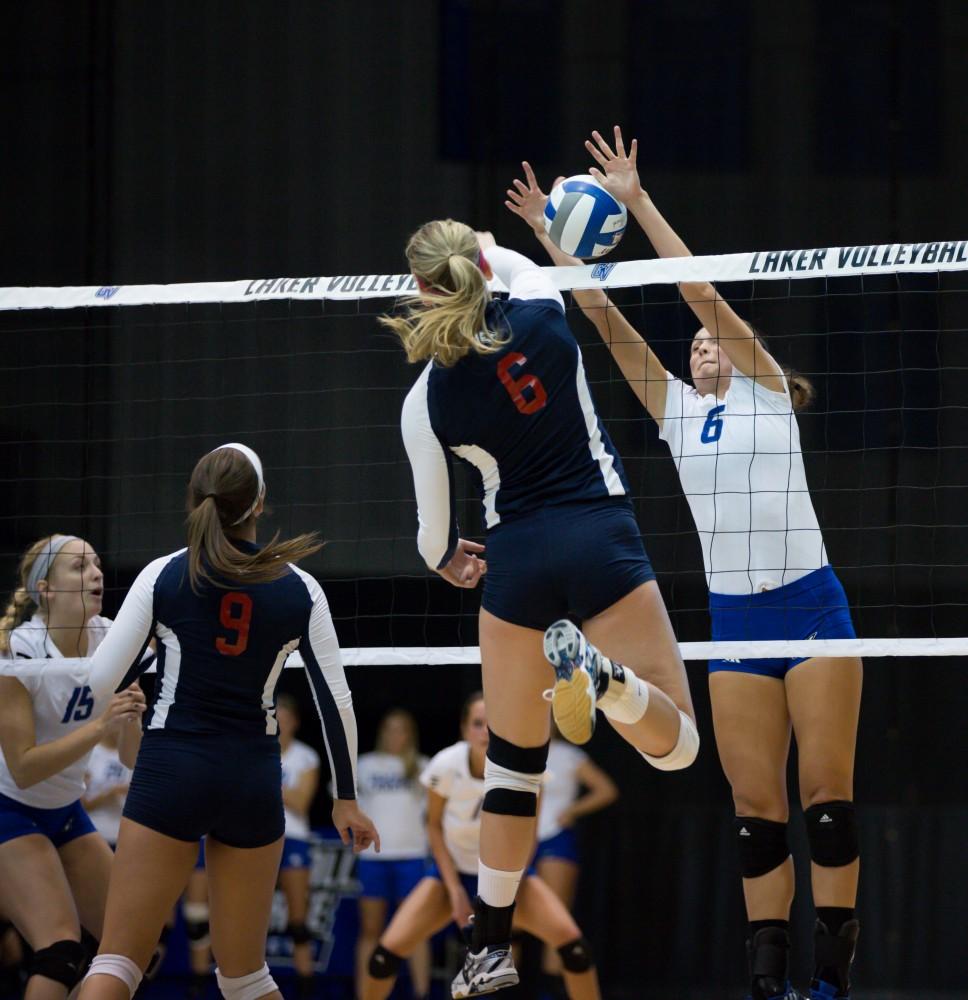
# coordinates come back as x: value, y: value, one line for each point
x: 224, y: 485
x: 21, y: 604
x: 410, y: 756
x: 447, y: 319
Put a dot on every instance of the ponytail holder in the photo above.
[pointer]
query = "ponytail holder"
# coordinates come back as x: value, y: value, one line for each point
x: 212, y: 496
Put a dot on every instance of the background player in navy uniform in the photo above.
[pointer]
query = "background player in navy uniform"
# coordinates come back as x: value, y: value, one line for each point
x: 769, y: 578
x: 226, y: 614
x: 54, y: 866
x: 504, y: 389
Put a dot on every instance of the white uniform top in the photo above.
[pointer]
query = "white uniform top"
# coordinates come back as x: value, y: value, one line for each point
x: 449, y: 775
x: 104, y: 772
x: 62, y: 702
x: 560, y: 786
x: 296, y: 761
x: 742, y: 472
x: 395, y: 803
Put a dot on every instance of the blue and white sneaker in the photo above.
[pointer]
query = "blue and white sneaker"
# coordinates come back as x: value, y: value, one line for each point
x: 578, y: 665
x: 485, y: 971
x: 820, y: 990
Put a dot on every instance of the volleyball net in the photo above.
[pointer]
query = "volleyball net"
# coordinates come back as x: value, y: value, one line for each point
x: 111, y: 394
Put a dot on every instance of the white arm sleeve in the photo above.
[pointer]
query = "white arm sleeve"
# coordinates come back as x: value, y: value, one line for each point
x: 124, y: 644
x: 319, y: 648
x: 432, y: 478
x: 523, y: 278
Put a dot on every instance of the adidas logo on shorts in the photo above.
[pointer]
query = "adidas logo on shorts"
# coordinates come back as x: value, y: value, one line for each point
x: 743, y: 832
x: 825, y: 819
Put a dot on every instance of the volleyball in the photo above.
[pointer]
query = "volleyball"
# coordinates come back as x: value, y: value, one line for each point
x: 582, y: 218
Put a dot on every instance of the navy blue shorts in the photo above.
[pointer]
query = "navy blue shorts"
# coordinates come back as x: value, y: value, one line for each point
x: 573, y: 560
x: 188, y: 786
x: 390, y: 880
x: 563, y: 846
x: 59, y: 826
x: 296, y: 853
x: 813, y: 607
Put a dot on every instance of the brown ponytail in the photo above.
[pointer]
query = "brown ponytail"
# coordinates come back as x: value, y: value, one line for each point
x: 21, y: 605
x: 802, y: 391
x: 224, y: 486
x: 447, y: 319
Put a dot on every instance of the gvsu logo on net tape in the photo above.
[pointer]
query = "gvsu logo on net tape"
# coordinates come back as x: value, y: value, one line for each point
x: 106, y: 291
x: 601, y: 271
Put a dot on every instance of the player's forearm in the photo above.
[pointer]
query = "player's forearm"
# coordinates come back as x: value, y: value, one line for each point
x: 592, y: 301
x: 38, y: 763
x: 445, y: 863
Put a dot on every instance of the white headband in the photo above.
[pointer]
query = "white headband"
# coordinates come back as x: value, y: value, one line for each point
x: 42, y: 564
x: 257, y: 465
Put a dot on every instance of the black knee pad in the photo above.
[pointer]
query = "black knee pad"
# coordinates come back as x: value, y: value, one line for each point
x: 512, y: 777
x: 383, y: 963
x: 762, y: 845
x: 299, y: 933
x: 576, y: 956
x: 832, y: 832
x: 63, y: 961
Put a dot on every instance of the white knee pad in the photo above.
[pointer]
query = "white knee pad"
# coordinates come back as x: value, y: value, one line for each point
x: 496, y: 776
x: 119, y: 966
x: 251, y: 987
x: 684, y: 752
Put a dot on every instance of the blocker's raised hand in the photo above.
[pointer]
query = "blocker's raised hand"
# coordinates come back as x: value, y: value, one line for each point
x: 527, y: 200
x: 621, y: 177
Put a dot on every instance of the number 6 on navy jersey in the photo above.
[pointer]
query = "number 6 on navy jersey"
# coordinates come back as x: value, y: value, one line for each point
x: 235, y: 614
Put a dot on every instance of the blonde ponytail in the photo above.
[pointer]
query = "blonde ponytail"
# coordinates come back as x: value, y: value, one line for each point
x: 21, y: 605
x: 447, y: 320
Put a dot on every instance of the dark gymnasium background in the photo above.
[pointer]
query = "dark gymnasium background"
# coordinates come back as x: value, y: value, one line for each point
x: 174, y: 141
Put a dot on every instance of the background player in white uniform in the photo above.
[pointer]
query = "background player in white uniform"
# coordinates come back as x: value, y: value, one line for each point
x: 562, y: 803
x: 455, y: 784
x: 226, y: 613
x: 106, y: 783
x: 388, y: 781
x: 300, y: 781
x: 54, y: 867
x: 736, y: 445
x: 504, y: 388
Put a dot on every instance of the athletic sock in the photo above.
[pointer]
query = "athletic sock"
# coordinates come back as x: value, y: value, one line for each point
x: 495, y: 887
x: 834, y: 917
x: 758, y: 925
x: 625, y: 697
x: 492, y: 925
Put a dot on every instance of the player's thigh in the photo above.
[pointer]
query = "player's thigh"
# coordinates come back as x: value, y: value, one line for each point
x: 752, y: 729
x: 147, y: 876
x: 294, y: 883
x: 87, y: 863
x: 636, y: 632
x: 561, y: 877
x: 35, y: 895
x: 823, y: 696
x: 373, y: 916
x: 424, y: 912
x: 541, y: 913
x: 515, y: 674
x: 241, y: 883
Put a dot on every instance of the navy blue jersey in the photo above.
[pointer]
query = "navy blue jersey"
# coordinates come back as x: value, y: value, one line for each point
x: 523, y: 416
x: 221, y: 650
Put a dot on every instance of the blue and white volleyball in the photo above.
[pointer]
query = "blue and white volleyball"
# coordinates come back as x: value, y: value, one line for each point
x: 582, y: 218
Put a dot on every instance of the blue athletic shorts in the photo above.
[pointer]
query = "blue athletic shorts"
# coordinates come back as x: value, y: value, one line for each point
x: 296, y: 853
x: 390, y: 880
x: 190, y: 785
x: 813, y: 607
x: 563, y: 846
x: 572, y: 560
x: 59, y: 826
x: 200, y: 860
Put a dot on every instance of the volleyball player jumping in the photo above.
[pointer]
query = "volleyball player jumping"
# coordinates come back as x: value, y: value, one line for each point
x: 226, y: 614
x: 504, y: 388
x: 735, y: 441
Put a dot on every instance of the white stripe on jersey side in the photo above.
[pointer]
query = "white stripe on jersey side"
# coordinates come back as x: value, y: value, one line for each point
x: 170, y: 682
x: 268, y: 692
x: 606, y: 463
x: 486, y: 464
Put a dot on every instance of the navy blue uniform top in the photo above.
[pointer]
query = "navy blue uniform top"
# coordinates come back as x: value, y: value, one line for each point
x: 523, y: 416
x: 220, y: 653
